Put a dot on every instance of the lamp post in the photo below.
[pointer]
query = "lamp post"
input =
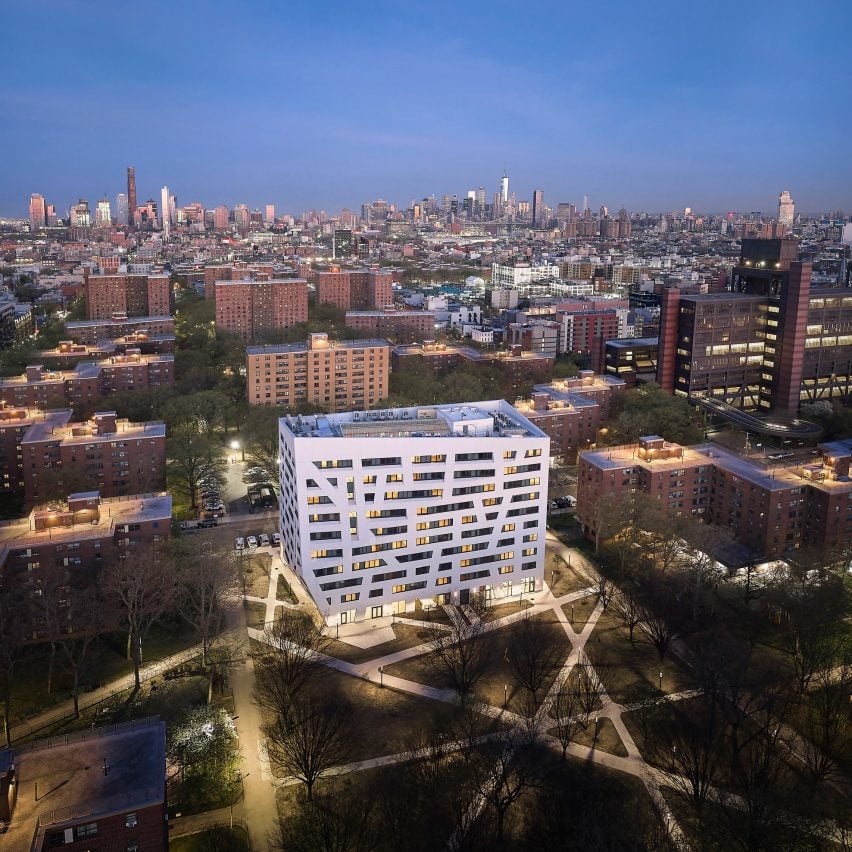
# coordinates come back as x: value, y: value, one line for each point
x: 236, y: 445
x: 661, y: 681
x: 505, y: 694
x: 572, y: 615
x: 595, y: 740
x: 381, y: 676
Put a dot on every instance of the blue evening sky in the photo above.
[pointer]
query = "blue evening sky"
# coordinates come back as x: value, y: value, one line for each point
x: 652, y: 104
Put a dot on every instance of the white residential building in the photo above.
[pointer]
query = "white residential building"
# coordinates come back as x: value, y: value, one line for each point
x: 382, y: 511
x: 515, y: 275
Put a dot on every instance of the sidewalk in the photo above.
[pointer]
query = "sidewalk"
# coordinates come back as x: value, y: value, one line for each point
x: 64, y: 709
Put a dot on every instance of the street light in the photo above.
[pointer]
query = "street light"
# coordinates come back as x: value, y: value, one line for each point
x: 381, y: 676
x: 661, y: 681
x: 505, y: 694
x: 236, y: 445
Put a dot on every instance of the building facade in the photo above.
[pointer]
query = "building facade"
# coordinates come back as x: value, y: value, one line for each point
x: 401, y: 326
x: 119, y: 325
x: 252, y: 308
x: 572, y: 411
x: 770, y: 509
x: 384, y: 511
x: 338, y: 375
x: 126, y: 293
x: 769, y: 344
x: 41, y: 388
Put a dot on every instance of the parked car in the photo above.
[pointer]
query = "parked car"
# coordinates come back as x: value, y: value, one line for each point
x: 276, y: 540
x: 239, y: 543
x: 251, y: 543
x: 263, y: 540
x: 208, y: 522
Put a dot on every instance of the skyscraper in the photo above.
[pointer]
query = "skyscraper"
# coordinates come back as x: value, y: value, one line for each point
x: 103, y: 215
x: 131, y: 195
x: 38, y: 213
x: 504, y: 188
x: 165, y: 219
x: 121, y: 209
x: 269, y: 217
x: 786, y: 209
x: 537, y: 205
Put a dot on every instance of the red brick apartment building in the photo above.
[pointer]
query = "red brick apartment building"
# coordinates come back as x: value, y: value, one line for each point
x: 114, y: 456
x: 250, y: 308
x: 402, y: 326
x: 67, y: 354
x: 354, y: 289
x: 519, y: 368
x: 40, y: 388
x: 69, y: 542
x: 100, y: 789
x: 771, y: 509
x: 234, y: 272
x: 571, y: 411
x: 132, y: 294
x: 339, y: 375
x: 119, y: 325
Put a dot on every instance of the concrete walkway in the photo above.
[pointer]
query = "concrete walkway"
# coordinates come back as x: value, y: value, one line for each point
x: 634, y: 764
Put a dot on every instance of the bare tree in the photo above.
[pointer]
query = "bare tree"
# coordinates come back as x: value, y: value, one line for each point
x: 11, y: 642
x: 691, y: 743
x: 462, y: 654
x: 142, y: 585
x: 534, y: 656
x: 203, y: 584
x: 609, y: 515
x: 342, y: 822
x: 825, y: 726
x: 659, y: 623
x: 812, y: 648
x: 606, y: 590
x: 309, y: 736
x: 628, y: 610
x: 87, y: 620
x: 504, y: 778
x: 289, y: 654
x: 567, y: 711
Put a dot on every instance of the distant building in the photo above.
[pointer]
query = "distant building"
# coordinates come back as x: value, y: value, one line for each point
x: 119, y: 325
x: 338, y: 375
x: 537, y: 208
x: 89, y: 380
x: 131, y: 294
x: 572, y: 411
x: 251, y: 308
x: 786, y: 209
x: 131, y: 194
x: 104, y: 788
x: 402, y: 326
x: 769, y: 344
x: 770, y: 509
x: 38, y: 212
x: 387, y: 511
x: 632, y: 359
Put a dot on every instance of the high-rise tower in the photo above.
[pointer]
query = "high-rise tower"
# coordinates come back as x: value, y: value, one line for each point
x: 786, y: 209
x: 165, y: 219
x: 121, y: 210
x: 537, y: 205
x: 131, y: 195
x: 504, y: 188
x: 38, y: 212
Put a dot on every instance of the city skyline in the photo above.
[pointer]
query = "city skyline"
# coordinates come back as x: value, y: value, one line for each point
x: 651, y: 109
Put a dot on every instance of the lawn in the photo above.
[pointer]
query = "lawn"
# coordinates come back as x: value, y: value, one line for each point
x: 497, y: 611
x: 255, y: 614
x: 221, y: 837
x: 284, y: 592
x: 256, y: 577
x: 434, y: 615
x: 108, y: 662
x: 565, y: 580
x: 407, y: 636
x: 384, y: 720
x: 608, y: 739
x: 498, y: 681
x: 580, y: 611
x: 631, y: 672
